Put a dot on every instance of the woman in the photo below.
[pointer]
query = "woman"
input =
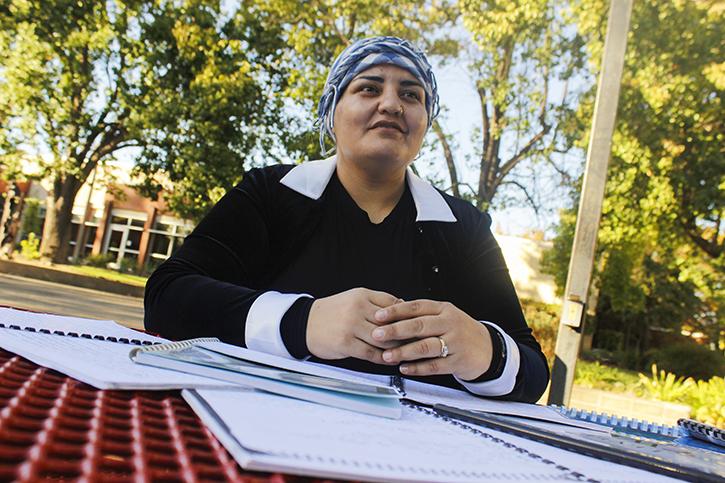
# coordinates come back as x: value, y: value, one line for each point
x: 353, y: 260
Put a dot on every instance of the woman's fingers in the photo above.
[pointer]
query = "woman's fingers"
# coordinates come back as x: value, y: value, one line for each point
x: 336, y: 320
x: 362, y: 350
x: 416, y: 328
x: 429, y: 367
x: 382, y: 299
x: 408, y: 310
x: 364, y: 330
x: 427, y: 348
x: 376, y: 301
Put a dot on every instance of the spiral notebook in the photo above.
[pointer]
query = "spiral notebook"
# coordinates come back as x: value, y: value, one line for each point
x: 632, y: 426
x: 216, y: 360
x: 92, y: 351
x: 265, y: 432
x: 703, y: 432
x: 687, y: 432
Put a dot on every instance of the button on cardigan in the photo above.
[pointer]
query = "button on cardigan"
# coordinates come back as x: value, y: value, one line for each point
x: 286, y: 235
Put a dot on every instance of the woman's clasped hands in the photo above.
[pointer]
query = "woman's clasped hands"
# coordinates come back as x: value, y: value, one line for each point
x: 423, y: 337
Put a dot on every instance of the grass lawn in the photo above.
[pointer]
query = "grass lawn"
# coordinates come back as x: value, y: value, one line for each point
x: 105, y: 273
x: 598, y: 376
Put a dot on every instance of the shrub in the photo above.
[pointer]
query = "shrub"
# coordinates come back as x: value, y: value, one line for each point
x: 595, y: 375
x: 32, y: 216
x: 29, y: 247
x: 128, y: 266
x: 688, y: 359
x: 664, y: 385
x: 707, y: 400
x: 100, y: 260
x: 544, y: 321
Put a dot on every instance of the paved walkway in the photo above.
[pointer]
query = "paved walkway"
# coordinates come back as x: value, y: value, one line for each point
x: 60, y: 299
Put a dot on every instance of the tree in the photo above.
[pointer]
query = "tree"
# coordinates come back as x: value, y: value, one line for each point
x: 213, y: 105
x: 661, y: 237
x: 522, y: 53
x: 57, y: 105
x: 182, y: 83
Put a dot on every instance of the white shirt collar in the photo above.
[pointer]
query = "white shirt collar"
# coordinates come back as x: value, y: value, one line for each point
x: 311, y: 179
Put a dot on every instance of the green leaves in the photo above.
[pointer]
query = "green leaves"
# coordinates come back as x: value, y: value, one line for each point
x: 661, y: 239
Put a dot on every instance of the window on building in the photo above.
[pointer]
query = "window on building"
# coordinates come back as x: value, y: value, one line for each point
x: 123, y: 238
x: 89, y: 235
x: 167, y: 235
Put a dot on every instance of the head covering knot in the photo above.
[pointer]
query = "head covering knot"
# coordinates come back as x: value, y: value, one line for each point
x: 362, y: 55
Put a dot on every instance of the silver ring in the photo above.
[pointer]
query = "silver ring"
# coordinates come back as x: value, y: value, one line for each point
x: 444, y: 347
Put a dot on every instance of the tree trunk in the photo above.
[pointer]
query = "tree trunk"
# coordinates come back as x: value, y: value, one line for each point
x: 10, y: 221
x: 58, y: 216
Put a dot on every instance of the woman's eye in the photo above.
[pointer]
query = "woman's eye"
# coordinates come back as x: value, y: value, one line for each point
x: 371, y: 89
x: 411, y: 95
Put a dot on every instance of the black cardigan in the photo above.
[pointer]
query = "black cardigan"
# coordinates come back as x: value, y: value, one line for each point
x: 208, y: 286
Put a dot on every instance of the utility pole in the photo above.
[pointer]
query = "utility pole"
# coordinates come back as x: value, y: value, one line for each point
x: 571, y: 323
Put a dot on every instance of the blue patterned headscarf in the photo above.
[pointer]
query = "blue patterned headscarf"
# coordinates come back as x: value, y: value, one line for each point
x: 362, y: 55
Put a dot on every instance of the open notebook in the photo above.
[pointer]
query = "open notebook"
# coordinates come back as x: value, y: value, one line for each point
x: 266, y: 432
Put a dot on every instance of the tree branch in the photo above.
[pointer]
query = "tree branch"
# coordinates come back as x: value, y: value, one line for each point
x: 529, y: 198
x: 489, y: 176
x: 509, y: 165
x: 448, y: 154
x: 486, y: 139
x: 711, y: 247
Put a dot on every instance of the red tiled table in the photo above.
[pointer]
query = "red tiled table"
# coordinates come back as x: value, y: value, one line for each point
x: 54, y: 428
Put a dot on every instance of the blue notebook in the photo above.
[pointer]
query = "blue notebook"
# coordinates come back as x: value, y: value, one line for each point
x: 686, y: 433
x: 664, y: 456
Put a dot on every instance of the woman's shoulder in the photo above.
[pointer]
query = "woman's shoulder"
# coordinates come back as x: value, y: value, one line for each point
x: 267, y: 182
x: 466, y: 213
x: 269, y: 175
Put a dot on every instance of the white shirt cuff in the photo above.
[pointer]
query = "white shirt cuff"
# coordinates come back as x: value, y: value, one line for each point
x: 505, y: 383
x: 261, y: 332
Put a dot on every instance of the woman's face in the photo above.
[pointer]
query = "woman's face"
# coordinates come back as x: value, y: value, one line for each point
x: 380, y: 120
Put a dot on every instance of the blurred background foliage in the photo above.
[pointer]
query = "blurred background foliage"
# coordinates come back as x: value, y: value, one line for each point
x: 660, y: 258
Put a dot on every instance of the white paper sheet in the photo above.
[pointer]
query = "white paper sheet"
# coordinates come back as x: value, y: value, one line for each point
x: 102, y: 364
x: 272, y: 433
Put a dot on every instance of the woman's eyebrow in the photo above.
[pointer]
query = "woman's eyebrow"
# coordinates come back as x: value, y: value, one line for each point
x: 373, y: 78
x: 381, y: 80
x: 411, y: 82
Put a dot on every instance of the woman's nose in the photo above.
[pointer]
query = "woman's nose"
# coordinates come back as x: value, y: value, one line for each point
x: 390, y: 103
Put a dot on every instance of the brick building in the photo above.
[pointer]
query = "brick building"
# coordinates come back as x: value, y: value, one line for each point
x: 133, y: 231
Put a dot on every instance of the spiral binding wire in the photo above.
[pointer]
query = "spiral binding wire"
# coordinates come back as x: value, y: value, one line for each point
x: 121, y: 340
x: 623, y: 423
x: 702, y: 431
x: 173, y: 346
